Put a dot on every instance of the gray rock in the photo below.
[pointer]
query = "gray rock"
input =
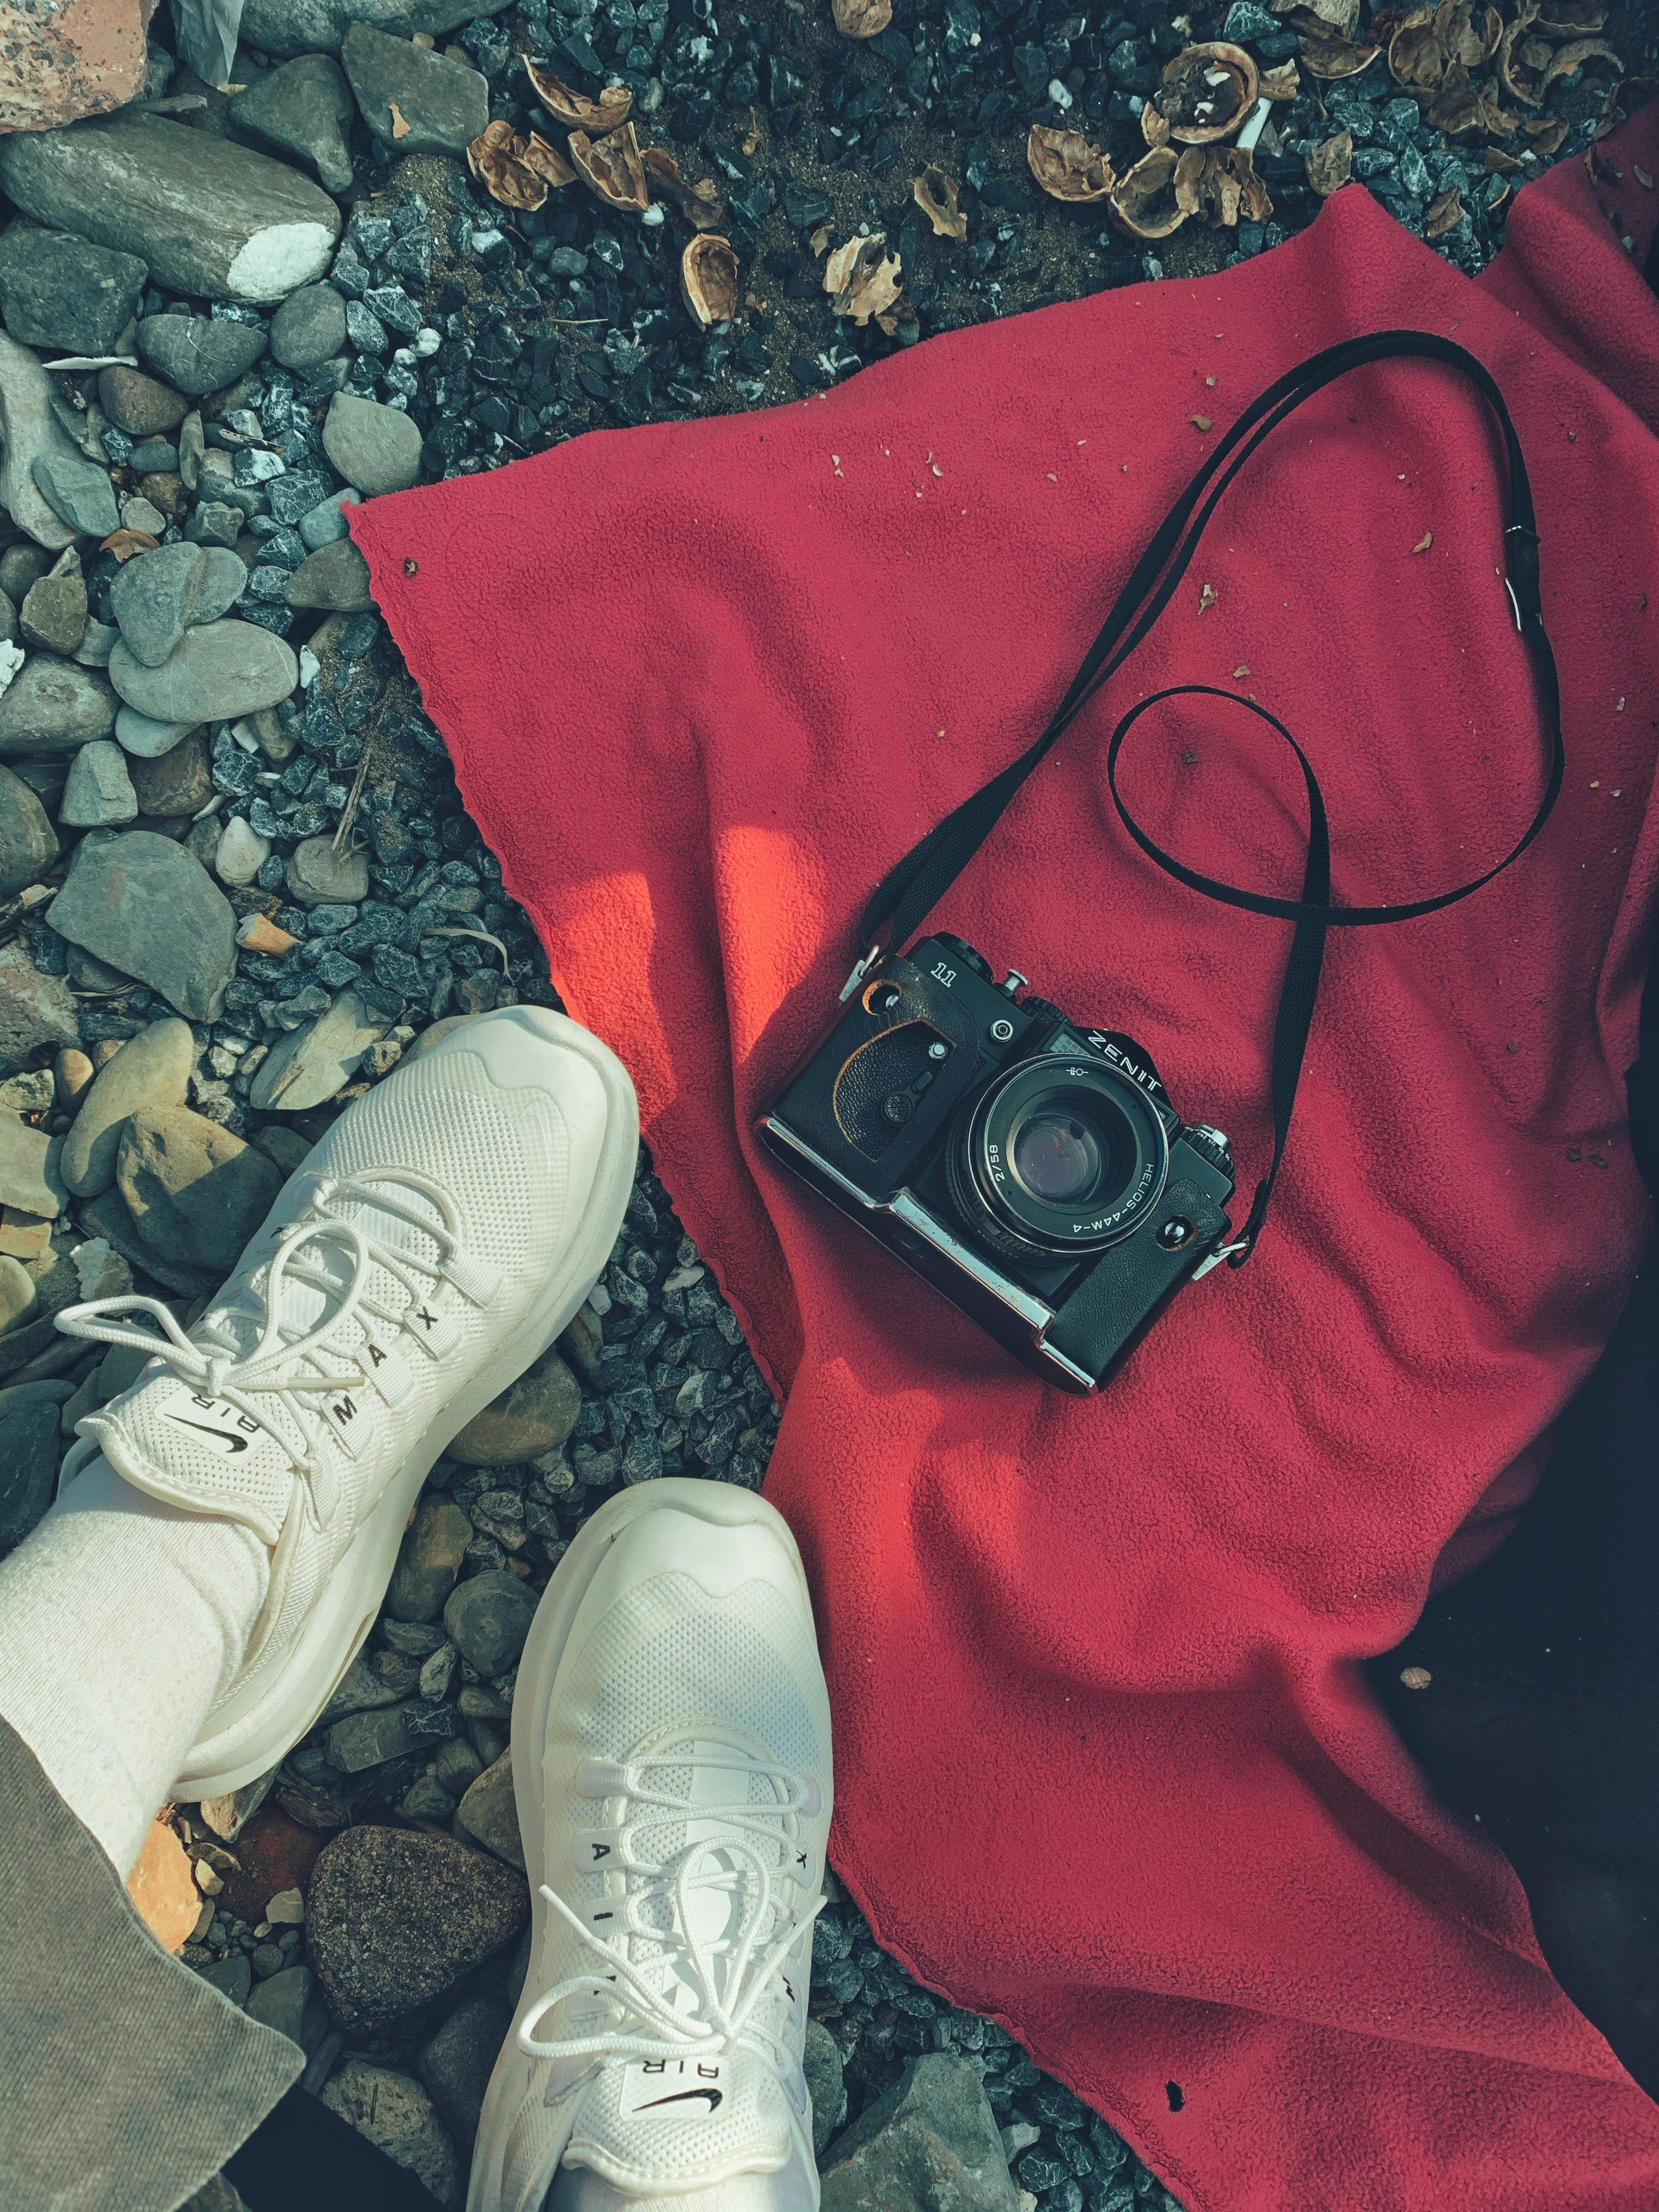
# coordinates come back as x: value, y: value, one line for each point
x: 139, y: 901
x: 98, y: 641
x: 213, y: 220
x: 53, y: 706
x: 152, y: 1069
x: 318, y: 875
x: 929, y: 2145
x: 455, y: 2066
x: 30, y: 1176
x: 397, y: 2116
x: 139, y: 404
x: 196, y: 1193
x: 311, y: 1063
x: 433, y: 1548
x: 489, y: 1812
x: 29, y: 843
x: 444, y: 103
x: 335, y: 576
x: 198, y: 355
x: 376, y: 449
x: 825, y: 2084
x: 21, y: 566
x: 529, y: 1417
x: 457, y: 1765
x: 281, y: 2002
x: 302, y: 27
x: 303, y: 109
x: 53, y: 616
x: 232, y: 1978
x: 370, y: 1683
x: 35, y: 1010
x: 326, y: 521
x: 156, y: 597
x: 310, y: 326
x: 99, y: 794
x: 29, y: 1447
x: 19, y: 1298
x: 147, y: 740
x: 76, y: 489
x: 30, y: 432
x: 107, y: 1216
x: 394, y: 1918
x: 370, y: 1738
x: 61, y: 292
x: 217, y: 671
x: 214, y: 523
x: 488, y: 1617
x: 192, y: 447
x: 180, y: 782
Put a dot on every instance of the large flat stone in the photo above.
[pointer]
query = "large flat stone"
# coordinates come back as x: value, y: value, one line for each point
x: 303, y: 109
x: 140, y: 902
x: 310, y: 1063
x: 29, y: 843
x: 35, y: 1010
x: 443, y: 104
x: 29, y: 432
x: 213, y: 220
x: 54, y: 707
x: 217, y: 671
x: 931, y: 2144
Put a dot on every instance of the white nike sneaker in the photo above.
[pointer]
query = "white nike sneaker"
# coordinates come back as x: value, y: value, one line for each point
x: 671, y: 1760
x: 436, y: 1240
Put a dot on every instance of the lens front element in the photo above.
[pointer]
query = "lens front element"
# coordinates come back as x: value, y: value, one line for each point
x: 1057, y: 1155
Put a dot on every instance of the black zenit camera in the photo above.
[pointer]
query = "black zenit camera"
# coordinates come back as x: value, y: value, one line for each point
x: 1031, y: 1167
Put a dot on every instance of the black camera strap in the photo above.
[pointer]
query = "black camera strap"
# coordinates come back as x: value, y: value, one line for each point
x: 910, y: 890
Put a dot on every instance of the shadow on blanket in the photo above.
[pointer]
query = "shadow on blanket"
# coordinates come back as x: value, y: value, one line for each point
x: 1541, y: 1717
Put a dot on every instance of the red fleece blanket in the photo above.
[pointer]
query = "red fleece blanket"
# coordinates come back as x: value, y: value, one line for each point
x: 1106, y: 1764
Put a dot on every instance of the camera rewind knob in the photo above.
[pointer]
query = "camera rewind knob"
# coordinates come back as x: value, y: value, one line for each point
x: 1212, y: 1143
x: 1012, y: 981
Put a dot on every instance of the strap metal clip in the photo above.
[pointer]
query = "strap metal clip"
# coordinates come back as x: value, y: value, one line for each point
x: 1221, y: 1252
x: 860, y: 969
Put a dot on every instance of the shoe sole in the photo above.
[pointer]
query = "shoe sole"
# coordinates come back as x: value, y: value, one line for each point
x: 349, y: 1606
x: 721, y: 1504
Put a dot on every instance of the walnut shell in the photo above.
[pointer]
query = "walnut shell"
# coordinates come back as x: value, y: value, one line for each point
x: 1143, y: 200
x: 1068, y: 166
x: 612, y: 168
x: 598, y: 118
x: 1207, y: 93
x: 708, y: 280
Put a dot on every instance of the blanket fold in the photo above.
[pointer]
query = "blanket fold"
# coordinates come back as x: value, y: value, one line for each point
x: 1108, y: 1767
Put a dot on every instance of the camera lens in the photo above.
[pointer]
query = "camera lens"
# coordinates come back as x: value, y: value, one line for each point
x: 1057, y: 1156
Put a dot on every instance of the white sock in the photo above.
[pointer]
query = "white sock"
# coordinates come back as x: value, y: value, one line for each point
x: 121, y: 1619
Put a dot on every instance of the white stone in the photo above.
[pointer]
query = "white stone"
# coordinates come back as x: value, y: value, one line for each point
x: 242, y: 852
x: 100, y: 1271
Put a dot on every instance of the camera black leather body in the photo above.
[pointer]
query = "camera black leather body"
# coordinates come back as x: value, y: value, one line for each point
x: 1031, y: 1167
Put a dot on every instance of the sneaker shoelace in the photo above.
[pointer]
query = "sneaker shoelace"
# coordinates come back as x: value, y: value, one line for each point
x: 290, y: 1359
x: 730, y: 1975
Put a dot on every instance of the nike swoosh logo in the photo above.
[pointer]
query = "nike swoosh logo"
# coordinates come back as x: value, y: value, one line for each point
x: 228, y: 1443
x: 680, y: 2097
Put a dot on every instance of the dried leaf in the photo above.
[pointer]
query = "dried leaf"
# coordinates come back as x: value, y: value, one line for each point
x: 1144, y: 200
x: 901, y: 317
x: 1517, y: 78
x: 1416, y: 57
x: 598, y: 118
x: 1500, y: 164
x: 1642, y: 176
x: 1569, y: 60
x: 1461, y: 108
x: 1068, y: 166
x: 1220, y: 182
x: 1278, y: 84
x: 1423, y: 542
x: 1571, y: 22
x: 400, y: 127
x: 1469, y: 33
x: 708, y: 280
x: 1208, y: 597
x: 938, y: 196
x: 820, y: 239
x: 1547, y: 132
x: 699, y: 204
x: 864, y: 281
x: 1446, y: 213
x: 124, y: 544
x: 1207, y: 93
x: 1336, y: 57
x: 861, y: 19
x: 1330, y: 165
x: 1331, y: 18
x: 612, y: 168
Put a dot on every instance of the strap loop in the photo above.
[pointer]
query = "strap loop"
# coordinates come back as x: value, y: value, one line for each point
x: 911, y: 889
